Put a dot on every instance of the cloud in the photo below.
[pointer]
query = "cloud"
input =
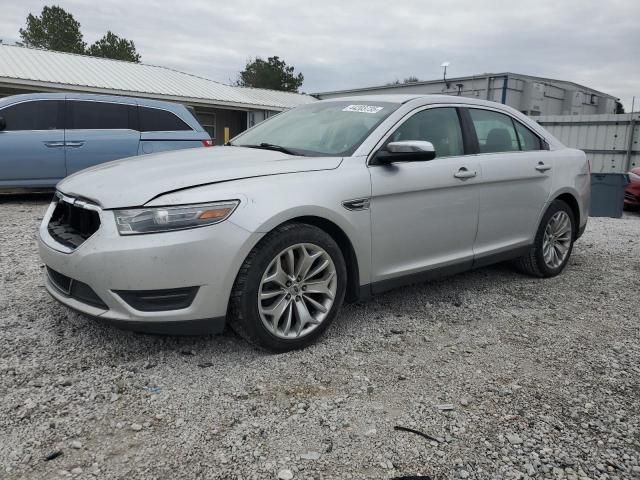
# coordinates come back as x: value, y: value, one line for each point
x: 340, y: 44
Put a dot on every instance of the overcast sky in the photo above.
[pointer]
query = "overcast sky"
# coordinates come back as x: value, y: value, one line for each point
x: 358, y: 43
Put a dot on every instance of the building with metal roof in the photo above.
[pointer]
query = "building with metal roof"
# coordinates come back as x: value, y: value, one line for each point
x: 219, y: 106
x: 529, y: 94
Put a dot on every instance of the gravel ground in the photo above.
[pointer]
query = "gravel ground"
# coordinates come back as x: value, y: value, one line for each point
x: 511, y: 377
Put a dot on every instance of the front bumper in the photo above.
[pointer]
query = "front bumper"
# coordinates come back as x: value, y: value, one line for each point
x: 207, y: 258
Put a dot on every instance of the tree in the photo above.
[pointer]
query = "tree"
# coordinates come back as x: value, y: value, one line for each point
x: 274, y: 74
x: 112, y: 46
x: 54, y: 29
x: 619, y: 106
x: 410, y: 79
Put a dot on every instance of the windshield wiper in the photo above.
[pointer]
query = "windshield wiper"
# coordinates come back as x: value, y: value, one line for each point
x: 271, y: 146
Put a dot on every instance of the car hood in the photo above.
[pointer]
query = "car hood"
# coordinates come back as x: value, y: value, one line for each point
x: 135, y: 181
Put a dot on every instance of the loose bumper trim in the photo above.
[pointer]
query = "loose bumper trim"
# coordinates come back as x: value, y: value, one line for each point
x: 75, y: 289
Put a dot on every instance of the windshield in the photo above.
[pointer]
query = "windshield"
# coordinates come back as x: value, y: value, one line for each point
x: 318, y: 129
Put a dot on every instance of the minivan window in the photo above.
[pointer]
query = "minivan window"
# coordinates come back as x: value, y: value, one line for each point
x: 494, y: 130
x: 440, y: 126
x: 97, y: 115
x: 528, y: 139
x: 37, y: 115
x: 157, y: 120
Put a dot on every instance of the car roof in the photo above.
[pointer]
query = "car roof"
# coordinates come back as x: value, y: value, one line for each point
x: 91, y: 96
x: 416, y: 98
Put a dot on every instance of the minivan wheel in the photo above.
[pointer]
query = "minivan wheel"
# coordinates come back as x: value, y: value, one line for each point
x: 553, y: 243
x: 289, y: 288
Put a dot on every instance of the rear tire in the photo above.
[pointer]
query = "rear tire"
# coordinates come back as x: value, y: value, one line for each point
x: 289, y: 289
x: 553, y: 243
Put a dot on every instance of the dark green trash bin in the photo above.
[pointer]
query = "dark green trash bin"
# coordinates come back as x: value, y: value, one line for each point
x: 607, y: 194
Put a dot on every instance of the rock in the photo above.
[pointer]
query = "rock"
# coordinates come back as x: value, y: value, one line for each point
x: 136, y: 427
x: 514, y: 439
x: 310, y: 456
x: 77, y: 471
x: 285, y: 474
x: 76, y: 444
x: 53, y: 455
x: 445, y: 407
x: 463, y: 474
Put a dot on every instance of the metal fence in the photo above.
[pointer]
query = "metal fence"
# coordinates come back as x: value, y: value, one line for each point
x: 611, y: 142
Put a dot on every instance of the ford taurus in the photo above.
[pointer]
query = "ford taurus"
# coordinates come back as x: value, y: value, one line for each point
x: 332, y: 201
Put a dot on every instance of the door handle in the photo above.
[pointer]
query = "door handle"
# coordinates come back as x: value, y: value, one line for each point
x: 541, y: 167
x: 464, y: 173
x: 54, y: 144
x: 74, y: 144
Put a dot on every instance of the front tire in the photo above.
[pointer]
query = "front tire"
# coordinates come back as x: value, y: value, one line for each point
x: 553, y: 243
x: 289, y: 289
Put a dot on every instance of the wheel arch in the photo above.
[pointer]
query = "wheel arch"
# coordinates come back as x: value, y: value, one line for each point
x: 346, y: 246
x: 572, y: 201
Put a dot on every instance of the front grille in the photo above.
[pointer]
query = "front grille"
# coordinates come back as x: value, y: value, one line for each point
x: 75, y: 289
x: 71, y: 224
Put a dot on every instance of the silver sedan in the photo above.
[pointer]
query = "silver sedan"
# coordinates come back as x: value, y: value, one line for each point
x: 332, y: 201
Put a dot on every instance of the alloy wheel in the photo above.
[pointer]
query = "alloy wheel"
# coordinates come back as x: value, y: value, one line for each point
x: 297, y: 291
x: 556, y: 241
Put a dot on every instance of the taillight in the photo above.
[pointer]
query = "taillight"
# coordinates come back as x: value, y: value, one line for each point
x: 207, y: 143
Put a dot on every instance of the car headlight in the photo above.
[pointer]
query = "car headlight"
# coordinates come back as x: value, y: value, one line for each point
x: 165, y: 219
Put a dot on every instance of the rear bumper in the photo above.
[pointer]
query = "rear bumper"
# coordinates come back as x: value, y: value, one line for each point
x: 631, y: 200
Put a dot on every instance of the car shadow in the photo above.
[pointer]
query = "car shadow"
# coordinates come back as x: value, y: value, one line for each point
x: 453, y: 290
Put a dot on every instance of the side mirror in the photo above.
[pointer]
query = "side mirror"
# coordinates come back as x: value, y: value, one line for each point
x: 3, y: 123
x: 405, y: 151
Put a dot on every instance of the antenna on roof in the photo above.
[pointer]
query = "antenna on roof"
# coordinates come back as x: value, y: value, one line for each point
x: 444, y: 73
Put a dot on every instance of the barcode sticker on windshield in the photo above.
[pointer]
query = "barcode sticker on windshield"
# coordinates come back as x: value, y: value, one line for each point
x: 362, y: 108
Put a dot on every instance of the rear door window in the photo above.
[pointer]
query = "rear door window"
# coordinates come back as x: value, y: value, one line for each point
x: 495, y: 131
x: 158, y: 120
x: 87, y: 115
x: 528, y: 139
x: 34, y: 115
